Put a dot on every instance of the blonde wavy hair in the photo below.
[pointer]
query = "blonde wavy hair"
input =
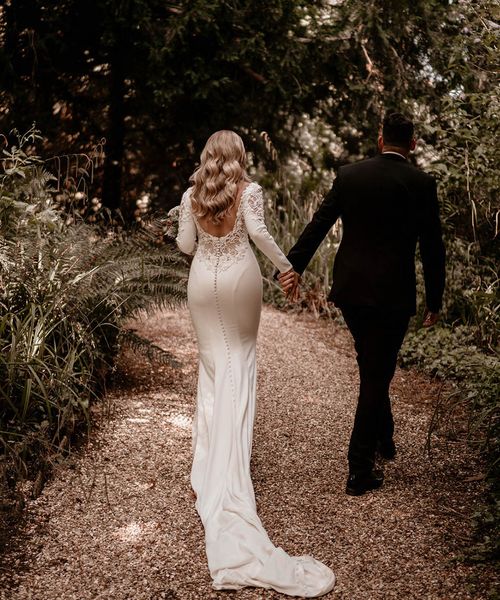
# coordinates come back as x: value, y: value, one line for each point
x: 215, y: 182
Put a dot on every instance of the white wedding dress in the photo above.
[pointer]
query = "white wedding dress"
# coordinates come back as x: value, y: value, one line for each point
x: 224, y: 298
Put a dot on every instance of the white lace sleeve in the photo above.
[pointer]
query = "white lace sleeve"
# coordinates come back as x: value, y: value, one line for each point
x: 253, y: 212
x: 186, y: 236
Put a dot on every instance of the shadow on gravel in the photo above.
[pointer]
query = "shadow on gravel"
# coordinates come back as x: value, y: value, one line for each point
x: 133, y: 374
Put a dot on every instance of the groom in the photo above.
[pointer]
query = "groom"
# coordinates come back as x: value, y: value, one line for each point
x: 386, y: 206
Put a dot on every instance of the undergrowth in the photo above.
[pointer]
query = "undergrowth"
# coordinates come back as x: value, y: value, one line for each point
x: 66, y: 290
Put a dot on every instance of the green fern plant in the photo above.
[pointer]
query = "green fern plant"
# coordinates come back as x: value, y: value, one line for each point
x: 66, y: 290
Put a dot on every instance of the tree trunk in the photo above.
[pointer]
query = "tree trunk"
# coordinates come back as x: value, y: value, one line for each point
x: 113, y: 165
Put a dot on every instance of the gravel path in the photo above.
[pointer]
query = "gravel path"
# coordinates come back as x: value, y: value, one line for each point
x: 118, y: 522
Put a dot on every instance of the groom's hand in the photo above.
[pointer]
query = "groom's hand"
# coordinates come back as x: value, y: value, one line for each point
x: 430, y: 318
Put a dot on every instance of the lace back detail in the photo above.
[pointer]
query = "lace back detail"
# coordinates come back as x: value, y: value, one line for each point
x: 222, y: 252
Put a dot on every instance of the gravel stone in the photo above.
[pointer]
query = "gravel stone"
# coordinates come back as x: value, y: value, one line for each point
x: 117, y: 522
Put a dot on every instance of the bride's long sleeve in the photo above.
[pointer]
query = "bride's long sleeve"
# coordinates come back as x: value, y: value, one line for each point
x: 186, y: 236
x: 253, y: 213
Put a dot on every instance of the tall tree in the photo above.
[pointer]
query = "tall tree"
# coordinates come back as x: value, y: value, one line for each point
x: 155, y: 79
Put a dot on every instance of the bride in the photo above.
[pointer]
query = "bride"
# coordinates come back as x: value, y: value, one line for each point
x: 217, y: 214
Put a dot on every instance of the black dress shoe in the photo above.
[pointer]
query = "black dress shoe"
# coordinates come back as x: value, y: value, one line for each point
x: 387, y: 449
x: 358, y: 484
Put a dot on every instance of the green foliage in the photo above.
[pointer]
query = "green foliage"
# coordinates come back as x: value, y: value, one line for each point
x: 471, y: 396
x: 66, y: 290
x: 487, y: 526
x: 285, y: 219
x: 292, y: 195
x: 155, y: 79
x: 472, y: 297
x: 463, y: 131
x: 463, y: 353
x: 451, y: 354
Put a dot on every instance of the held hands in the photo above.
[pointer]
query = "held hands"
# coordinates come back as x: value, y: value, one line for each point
x: 430, y: 318
x: 289, y: 282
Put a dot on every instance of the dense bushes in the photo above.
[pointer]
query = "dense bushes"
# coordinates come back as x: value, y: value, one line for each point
x: 66, y: 289
x: 462, y: 352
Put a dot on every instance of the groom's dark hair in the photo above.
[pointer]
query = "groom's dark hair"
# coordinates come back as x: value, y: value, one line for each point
x: 397, y: 130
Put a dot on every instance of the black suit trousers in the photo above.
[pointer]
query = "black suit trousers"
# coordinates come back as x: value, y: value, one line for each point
x: 378, y: 335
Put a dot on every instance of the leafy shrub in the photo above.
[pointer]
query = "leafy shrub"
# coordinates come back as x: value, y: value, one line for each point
x: 66, y: 289
x: 292, y: 194
x: 469, y: 407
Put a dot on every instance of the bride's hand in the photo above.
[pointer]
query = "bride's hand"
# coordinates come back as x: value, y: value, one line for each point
x: 294, y: 294
x: 288, y: 280
x: 290, y: 284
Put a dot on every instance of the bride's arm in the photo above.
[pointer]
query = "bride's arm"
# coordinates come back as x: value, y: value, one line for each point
x: 253, y: 213
x: 186, y: 236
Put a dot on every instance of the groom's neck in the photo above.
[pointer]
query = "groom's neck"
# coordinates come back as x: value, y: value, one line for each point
x: 398, y: 149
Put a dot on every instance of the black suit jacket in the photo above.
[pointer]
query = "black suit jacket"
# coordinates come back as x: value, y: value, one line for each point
x: 386, y: 206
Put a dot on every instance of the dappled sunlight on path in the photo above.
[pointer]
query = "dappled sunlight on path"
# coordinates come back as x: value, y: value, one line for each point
x: 118, y: 522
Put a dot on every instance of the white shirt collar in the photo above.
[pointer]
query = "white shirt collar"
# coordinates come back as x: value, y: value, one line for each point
x: 396, y: 153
